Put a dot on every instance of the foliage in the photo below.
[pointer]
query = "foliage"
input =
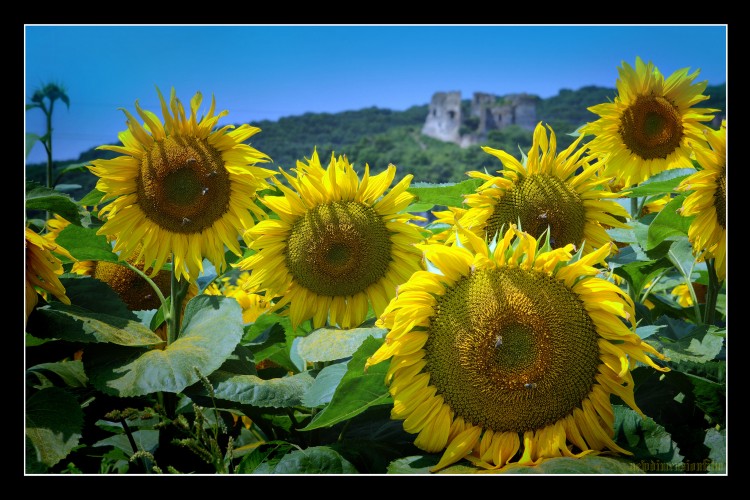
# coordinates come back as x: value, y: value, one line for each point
x: 107, y: 392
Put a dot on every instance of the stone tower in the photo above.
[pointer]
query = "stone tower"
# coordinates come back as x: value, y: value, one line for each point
x: 444, y: 117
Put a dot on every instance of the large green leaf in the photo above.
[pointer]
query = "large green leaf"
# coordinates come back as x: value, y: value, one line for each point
x: 668, y: 224
x: 681, y: 255
x: 450, y: 194
x: 330, y: 344
x: 700, y: 345
x: 416, y: 464
x: 421, y: 464
x: 584, y: 465
x: 716, y: 441
x: 271, y: 337
x: 662, y: 183
x: 212, y: 328
x: 639, y: 273
x: 71, y: 372
x: 322, y: 389
x: 284, y: 392
x: 54, y: 422
x: 76, y: 324
x: 96, y: 296
x: 84, y: 244
x: 313, y: 460
x: 39, y: 197
x: 92, y: 198
x: 646, y: 439
x: 358, y: 390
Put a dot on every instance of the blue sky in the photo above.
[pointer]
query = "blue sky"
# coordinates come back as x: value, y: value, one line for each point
x: 266, y: 72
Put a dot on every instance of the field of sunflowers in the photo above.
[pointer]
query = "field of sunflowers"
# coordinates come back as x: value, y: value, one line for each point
x: 197, y: 313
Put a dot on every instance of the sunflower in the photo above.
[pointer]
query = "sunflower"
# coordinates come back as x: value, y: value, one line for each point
x: 682, y: 295
x: 649, y: 126
x: 42, y: 269
x: 252, y: 304
x: 510, y: 354
x: 180, y: 187
x: 133, y: 290
x: 708, y: 200
x: 448, y: 218
x: 545, y: 192
x: 339, y: 243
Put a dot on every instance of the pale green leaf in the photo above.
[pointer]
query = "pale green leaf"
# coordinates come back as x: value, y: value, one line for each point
x: 39, y: 197
x: 322, y: 389
x: 76, y: 324
x: 212, y: 328
x: 54, y: 422
x: 330, y: 344
x: 358, y: 390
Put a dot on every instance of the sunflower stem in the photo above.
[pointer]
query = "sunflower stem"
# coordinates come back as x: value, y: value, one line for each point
x: 634, y: 210
x: 712, y: 293
x: 653, y: 284
x: 696, y: 306
x: 178, y: 290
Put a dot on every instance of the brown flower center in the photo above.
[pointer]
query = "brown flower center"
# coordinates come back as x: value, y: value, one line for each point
x: 511, y: 350
x: 184, y: 186
x: 651, y: 127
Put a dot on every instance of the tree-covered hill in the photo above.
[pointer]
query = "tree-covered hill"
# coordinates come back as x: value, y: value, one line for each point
x: 381, y: 136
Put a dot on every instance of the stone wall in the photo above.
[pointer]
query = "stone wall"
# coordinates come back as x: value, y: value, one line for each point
x: 489, y: 112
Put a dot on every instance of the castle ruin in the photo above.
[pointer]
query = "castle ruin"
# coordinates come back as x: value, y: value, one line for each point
x: 452, y: 120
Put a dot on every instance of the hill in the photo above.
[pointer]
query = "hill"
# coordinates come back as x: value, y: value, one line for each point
x: 380, y: 136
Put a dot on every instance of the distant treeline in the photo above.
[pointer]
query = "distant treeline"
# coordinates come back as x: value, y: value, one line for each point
x: 381, y: 136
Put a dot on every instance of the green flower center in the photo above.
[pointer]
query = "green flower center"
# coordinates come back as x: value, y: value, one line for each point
x: 339, y: 249
x: 540, y: 201
x: 132, y: 289
x: 511, y: 350
x: 651, y: 127
x: 183, y: 186
x: 720, y: 198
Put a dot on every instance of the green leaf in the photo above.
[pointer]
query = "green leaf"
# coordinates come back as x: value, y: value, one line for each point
x: 668, y: 224
x: 645, y: 332
x: 322, y: 389
x: 358, y: 389
x: 585, y: 465
x: 622, y: 235
x: 145, y: 440
x: 74, y: 167
x: 93, y: 198
x: 330, y: 344
x: 417, y: 464
x: 646, y: 439
x: 639, y: 273
x: 54, y: 422
x: 71, y: 372
x: 67, y: 187
x: 75, y: 324
x: 662, y: 183
x: 284, y: 392
x: 700, y: 345
x: 716, y: 441
x: 96, y: 296
x: 681, y: 255
x: 313, y: 460
x: 212, y: 328
x: 449, y: 195
x: 419, y: 207
x: 31, y: 139
x: 84, y: 244
x: 39, y: 197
